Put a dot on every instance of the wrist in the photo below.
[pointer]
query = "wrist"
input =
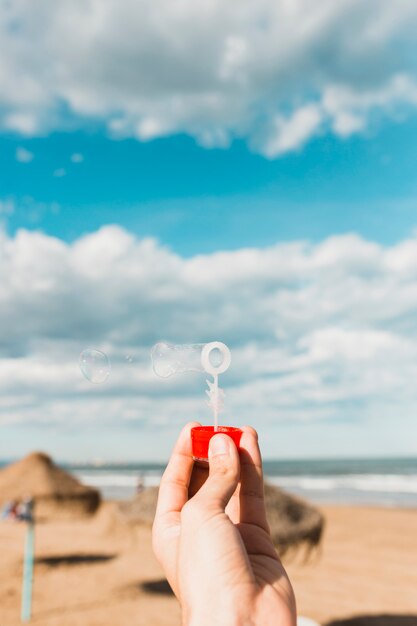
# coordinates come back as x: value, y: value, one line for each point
x: 273, y: 608
x: 215, y: 618
x: 225, y: 620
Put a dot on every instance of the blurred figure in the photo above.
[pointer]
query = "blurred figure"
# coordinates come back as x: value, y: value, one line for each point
x: 7, y: 510
x: 140, y: 484
x: 25, y: 510
x: 18, y: 511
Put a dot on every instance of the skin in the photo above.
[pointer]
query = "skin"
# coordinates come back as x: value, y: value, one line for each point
x: 212, y: 539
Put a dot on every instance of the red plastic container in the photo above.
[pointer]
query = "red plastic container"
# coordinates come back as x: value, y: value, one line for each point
x: 201, y: 435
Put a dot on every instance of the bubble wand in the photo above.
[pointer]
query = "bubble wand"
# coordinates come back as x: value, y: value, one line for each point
x: 213, y: 358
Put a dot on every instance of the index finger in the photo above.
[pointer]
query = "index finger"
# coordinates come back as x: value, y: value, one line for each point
x: 173, y: 489
x: 251, y: 494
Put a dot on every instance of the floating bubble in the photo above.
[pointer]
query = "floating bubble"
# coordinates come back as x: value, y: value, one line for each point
x: 129, y: 358
x: 169, y: 359
x: 94, y: 365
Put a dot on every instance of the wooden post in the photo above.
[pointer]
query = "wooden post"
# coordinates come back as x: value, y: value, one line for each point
x: 28, y: 572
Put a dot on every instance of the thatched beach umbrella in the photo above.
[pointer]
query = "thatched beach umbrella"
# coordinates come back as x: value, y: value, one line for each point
x: 53, y: 493
x: 293, y: 521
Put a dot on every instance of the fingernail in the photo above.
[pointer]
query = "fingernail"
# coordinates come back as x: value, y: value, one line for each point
x: 219, y: 444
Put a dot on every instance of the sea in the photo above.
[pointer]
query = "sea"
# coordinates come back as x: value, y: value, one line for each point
x: 379, y: 482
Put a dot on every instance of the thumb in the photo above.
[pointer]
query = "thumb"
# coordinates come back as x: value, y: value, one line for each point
x: 224, y: 470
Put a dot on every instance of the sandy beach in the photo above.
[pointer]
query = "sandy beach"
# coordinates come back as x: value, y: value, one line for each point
x: 101, y: 571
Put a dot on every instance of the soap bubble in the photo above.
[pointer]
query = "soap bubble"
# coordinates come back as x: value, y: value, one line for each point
x: 129, y: 358
x: 168, y: 359
x: 94, y: 365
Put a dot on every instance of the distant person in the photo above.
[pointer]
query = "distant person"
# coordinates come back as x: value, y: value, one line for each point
x: 25, y: 510
x: 7, y: 510
x: 10, y: 510
x: 140, y: 484
x: 14, y: 511
x: 211, y: 536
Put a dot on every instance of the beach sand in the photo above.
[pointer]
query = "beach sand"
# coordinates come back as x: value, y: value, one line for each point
x: 100, y: 571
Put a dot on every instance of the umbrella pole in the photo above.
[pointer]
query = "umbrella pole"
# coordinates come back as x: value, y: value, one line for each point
x: 28, y: 573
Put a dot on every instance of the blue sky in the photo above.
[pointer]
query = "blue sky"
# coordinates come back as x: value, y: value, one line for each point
x: 198, y: 200
x: 246, y: 174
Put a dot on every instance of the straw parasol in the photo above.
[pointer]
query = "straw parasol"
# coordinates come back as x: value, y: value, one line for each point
x: 54, y: 492
x: 293, y: 521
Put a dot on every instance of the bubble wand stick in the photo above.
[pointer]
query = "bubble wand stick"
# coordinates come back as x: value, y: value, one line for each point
x: 214, y: 393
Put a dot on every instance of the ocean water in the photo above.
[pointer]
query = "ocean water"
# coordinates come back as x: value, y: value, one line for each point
x: 380, y: 482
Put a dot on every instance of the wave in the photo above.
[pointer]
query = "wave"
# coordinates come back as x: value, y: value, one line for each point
x: 367, y: 488
x: 101, y: 479
x: 380, y: 483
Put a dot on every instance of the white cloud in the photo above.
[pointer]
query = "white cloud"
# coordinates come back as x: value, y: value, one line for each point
x: 24, y: 156
x: 7, y: 207
x: 25, y: 123
x: 350, y: 109
x: 322, y: 333
x: 60, y: 172
x: 77, y: 157
x: 288, y: 134
x: 213, y: 71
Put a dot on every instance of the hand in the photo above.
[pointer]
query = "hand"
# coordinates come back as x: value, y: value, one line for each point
x: 211, y: 536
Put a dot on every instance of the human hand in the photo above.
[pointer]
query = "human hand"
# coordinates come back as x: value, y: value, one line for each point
x: 211, y: 536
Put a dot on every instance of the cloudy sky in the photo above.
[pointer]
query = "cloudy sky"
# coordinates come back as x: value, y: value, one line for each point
x: 195, y: 172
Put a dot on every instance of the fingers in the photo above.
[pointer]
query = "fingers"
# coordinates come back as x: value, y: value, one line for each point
x: 198, y: 478
x: 173, y: 490
x: 251, y: 495
x: 173, y: 494
x: 211, y: 550
x: 181, y: 480
x: 233, y: 507
x: 223, y: 474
